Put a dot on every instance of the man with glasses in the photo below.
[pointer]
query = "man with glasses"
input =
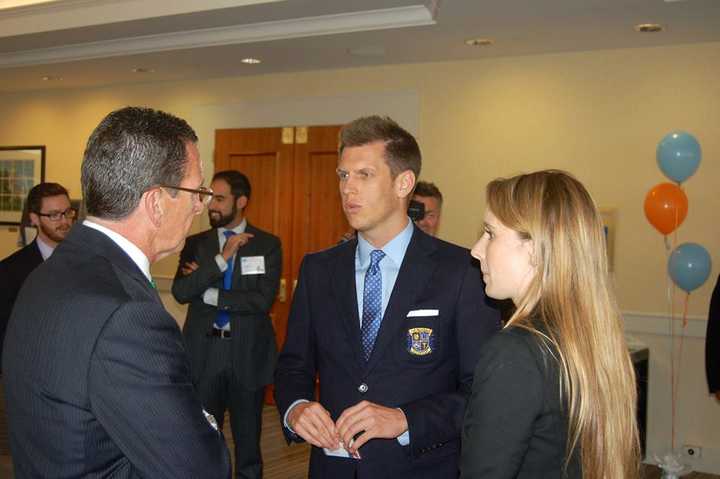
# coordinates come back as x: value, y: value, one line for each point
x: 230, y: 276
x: 96, y: 379
x: 52, y: 215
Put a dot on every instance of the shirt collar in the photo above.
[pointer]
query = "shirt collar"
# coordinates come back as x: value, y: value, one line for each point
x: 126, y: 245
x: 237, y: 230
x: 394, y: 249
x: 45, y: 249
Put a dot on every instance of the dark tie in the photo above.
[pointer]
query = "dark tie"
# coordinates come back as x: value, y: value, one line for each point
x: 223, y: 317
x: 372, y: 303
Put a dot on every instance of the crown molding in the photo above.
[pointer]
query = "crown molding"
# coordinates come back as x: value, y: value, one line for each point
x: 370, y: 20
x: 67, y: 14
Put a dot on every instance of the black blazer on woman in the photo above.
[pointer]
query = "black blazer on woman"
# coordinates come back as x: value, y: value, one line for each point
x: 516, y: 424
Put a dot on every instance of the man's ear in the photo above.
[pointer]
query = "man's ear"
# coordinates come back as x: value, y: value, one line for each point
x: 152, y: 203
x: 241, y: 202
x: 34, y: 219
x: 405, y: 183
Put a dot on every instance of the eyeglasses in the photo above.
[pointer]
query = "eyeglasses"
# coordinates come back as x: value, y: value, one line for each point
x: 204, y: 195
x: 68, y: 214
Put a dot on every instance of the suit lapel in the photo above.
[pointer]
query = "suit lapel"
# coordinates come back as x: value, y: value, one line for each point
x: 342, y: 272
x: 415, y: 273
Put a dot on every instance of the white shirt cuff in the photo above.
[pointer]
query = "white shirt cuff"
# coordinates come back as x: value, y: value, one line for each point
x: 285, y: 417
x: 210, y: 296
x: 404, y: 438
x: 222, y: 264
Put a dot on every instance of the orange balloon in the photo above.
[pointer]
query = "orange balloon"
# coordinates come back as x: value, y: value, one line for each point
x: 666, y: 207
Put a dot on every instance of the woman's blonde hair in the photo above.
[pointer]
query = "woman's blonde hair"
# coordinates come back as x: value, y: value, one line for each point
x: 571, y: 301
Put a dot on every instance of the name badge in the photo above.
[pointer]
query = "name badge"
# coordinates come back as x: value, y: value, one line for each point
x: 252, y: 265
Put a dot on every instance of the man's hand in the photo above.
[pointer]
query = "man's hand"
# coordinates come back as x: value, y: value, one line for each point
x: 717, y: 395
x: 373, y: 420
x: 233, y: 243
x: 189, y: 268
x: 313, y: 423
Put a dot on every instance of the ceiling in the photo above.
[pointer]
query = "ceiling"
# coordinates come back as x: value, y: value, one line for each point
x: 99, y: 42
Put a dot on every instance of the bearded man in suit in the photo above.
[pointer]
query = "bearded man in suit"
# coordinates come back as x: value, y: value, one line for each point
x: 52, y: 215
x: 230, y: 276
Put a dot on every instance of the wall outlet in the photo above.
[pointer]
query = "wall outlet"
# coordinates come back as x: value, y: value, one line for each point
x: 691, y: 452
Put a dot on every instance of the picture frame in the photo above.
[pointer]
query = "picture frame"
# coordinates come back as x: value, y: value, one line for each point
x: 21, y: 168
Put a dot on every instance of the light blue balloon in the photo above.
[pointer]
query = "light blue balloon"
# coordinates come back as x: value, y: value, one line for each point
x: 678, y: 155
x: 689, y: 266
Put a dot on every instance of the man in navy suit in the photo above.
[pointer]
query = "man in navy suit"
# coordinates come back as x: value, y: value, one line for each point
x: 391, y: 323
x: 50, y: 212
x: 97, y: 382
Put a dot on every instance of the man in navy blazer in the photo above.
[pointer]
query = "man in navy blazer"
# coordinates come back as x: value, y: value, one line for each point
x: 50, y: 212
x: 391, y: 323
x: 97, y: 382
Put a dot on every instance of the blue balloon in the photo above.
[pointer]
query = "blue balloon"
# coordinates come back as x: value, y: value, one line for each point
x: 689, y: 266
x: 678, y: 155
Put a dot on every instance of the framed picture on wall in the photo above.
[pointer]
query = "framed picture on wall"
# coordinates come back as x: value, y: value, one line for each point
x: 21, y: 167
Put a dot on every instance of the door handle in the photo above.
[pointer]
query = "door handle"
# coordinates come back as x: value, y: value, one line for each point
x: 282, y: 294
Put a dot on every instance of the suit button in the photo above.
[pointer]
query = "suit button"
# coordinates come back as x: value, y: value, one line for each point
x: 363, y: 388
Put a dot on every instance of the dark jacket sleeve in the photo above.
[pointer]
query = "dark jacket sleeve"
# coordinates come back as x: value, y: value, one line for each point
x: 258, y: 300
x: 187, y: 288
x: 712, y: 341
x: 436, y: 419
x: 507, y: 396
x: 296, y: 368
x: 141, y: 392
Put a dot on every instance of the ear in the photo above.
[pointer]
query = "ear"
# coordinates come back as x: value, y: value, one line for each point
x: 153, y: 204
x: 34, y: 219
x: 405, y: 183
x: 241, y: 202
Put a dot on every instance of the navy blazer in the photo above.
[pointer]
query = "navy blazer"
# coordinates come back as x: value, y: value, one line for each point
x: 97, y: 383
x: 431, y: 383
x: 13, y: 271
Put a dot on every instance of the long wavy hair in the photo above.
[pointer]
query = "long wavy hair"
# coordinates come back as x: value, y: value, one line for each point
x: 571, y: 301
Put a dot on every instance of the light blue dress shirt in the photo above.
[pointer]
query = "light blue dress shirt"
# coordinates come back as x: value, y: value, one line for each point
x: 389, y: 267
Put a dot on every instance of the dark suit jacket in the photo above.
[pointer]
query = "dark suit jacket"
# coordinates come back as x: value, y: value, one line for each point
x: 13, y: 271
x: 97, y: 383
x: 248, y: 302
x: 712, y: 341
x: 432, y: 389
x: 516, y: 425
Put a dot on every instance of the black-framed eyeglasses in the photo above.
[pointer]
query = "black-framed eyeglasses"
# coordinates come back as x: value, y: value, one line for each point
x: 204, y: 195
x: 69, y: 214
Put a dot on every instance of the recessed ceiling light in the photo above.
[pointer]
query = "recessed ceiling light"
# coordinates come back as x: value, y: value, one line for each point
x: 51, y: 78
x: 479, y: 42
x: 250, y: 61
x: 649, y: 28
x: 143, y: 70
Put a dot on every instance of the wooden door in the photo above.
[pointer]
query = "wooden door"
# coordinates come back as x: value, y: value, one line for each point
x: 318, y: 219
x: 266, y: 158
x: 294, y: 195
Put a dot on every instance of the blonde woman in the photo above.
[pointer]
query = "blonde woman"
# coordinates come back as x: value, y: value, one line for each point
x: 554, y: 391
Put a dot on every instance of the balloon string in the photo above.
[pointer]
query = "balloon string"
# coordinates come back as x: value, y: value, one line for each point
x: 678, y: 368
x: 673, y: 374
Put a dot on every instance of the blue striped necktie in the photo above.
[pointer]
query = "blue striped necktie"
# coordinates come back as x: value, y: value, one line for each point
x: 372, y: 303
x: 223, y: 317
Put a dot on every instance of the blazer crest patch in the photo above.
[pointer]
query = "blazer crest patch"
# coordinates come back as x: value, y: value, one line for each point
x: 420, y: 341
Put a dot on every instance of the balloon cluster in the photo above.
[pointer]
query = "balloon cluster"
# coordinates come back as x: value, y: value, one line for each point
x: 666, y: 206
